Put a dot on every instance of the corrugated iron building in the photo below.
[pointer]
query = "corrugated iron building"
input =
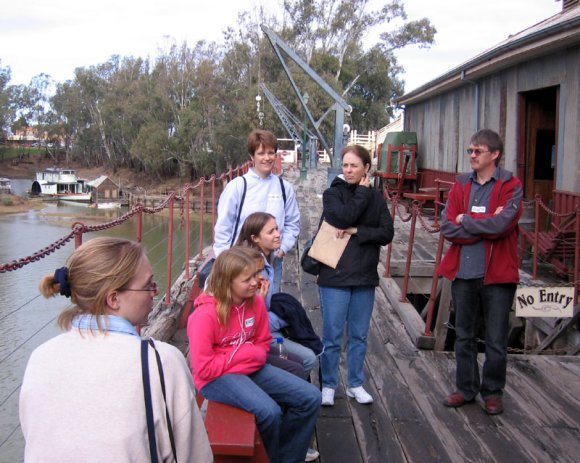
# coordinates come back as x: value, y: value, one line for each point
x: 527, y: 88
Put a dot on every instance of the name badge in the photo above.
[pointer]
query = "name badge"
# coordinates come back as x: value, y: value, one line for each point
x: 478, y: 209
x: 249, y: 322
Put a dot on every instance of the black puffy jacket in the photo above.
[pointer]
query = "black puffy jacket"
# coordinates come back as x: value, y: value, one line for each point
x: 346, y: 205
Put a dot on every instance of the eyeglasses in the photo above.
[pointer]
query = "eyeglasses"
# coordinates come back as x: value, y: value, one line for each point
x: 476, y: 151
x: 152, y: 287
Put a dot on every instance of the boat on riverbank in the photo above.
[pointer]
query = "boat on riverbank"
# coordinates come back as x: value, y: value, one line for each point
x: 107, y: 205
x: 5, y: 186
x: 60, y: 184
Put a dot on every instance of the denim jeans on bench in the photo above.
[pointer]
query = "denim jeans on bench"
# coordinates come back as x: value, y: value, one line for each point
x: 286, y: 408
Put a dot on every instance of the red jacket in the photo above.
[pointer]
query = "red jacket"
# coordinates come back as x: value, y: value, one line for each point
x: 238, y: 348
x: 499, y: 232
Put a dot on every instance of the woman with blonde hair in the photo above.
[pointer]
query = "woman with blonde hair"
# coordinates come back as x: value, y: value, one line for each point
x: 229, y: 338
x: 260, y: 232
x: 83, y: 397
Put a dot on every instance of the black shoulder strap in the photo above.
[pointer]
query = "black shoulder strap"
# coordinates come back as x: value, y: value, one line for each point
x: 283, y: 190
x: 148, y: 402
x: 239, y: 212
x: 162, y: 380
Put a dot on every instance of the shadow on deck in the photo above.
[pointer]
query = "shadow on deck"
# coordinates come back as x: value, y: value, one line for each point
x: 407, y: 422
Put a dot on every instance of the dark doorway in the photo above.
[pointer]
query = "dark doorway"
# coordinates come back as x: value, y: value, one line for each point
x: 538, y: 138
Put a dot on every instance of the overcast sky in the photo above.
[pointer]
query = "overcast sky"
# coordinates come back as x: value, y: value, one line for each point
x: 56, y: 36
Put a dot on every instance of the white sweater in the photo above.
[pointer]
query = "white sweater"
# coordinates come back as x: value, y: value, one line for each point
x: 82, y: 401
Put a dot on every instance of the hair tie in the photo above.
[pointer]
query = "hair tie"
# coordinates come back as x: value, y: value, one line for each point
x: 61, y: 277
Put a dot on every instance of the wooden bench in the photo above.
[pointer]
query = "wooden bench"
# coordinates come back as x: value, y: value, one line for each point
x: 435, y: 195
x: 422, y: 198
x: 233, y: 434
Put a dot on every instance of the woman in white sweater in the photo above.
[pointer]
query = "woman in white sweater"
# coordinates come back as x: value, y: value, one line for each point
x: 82, y: 397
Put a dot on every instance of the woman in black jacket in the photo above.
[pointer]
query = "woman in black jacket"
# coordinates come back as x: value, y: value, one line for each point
x: 347, y: 293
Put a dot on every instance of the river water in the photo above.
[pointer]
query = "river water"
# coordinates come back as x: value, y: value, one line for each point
x: 26, y: 318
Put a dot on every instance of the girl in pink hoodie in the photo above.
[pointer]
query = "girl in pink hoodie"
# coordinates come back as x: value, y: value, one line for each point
x: 229, y: 337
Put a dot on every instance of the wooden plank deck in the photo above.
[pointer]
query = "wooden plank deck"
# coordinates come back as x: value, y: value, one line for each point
x: 408, y: 422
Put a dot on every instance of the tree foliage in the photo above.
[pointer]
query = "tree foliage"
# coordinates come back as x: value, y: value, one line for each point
x: 6, y: 114
x: 187, y: 112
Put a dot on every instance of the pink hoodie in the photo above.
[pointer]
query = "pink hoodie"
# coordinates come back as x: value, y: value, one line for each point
x: 238, y: 348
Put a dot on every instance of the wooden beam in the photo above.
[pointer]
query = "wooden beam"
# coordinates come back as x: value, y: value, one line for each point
x: 408, y: 314
x: 445, y: 304
x: 561, y: 328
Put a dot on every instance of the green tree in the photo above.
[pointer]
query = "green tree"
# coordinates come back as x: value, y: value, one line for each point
x: 330, y: 35
x: 6, y: 115
x: 188, y: 112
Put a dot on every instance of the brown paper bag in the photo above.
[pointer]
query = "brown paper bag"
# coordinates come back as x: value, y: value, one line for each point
x: 327, y: 248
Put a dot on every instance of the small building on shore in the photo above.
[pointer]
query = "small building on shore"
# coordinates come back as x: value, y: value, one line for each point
x: 104, y: 189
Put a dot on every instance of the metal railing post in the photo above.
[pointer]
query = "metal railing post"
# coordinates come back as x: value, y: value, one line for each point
x: 79, y: 235
x: 201, y: 215
x: 536, y: 236
x: 434, y: 282
x: 409, y: 251
x: 387, y: 273
x: 187, y: 233
x: 577, y: 257
x: 213, y: 207
x: 169, y: 252
x: 139, y: 236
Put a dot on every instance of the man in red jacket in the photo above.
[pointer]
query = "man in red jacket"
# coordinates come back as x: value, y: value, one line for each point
x: 480, y: 220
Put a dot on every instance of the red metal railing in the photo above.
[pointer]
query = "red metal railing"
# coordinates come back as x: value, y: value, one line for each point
x: 564, y: 233
x: 415, y: 215
x: 183, y: 196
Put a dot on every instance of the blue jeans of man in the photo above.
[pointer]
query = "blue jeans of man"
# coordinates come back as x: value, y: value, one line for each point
x: 286, y: 408
x: 351, y: 306
x: 477, y: 303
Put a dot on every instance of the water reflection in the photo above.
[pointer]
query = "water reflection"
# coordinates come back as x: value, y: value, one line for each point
x: 27, y: 319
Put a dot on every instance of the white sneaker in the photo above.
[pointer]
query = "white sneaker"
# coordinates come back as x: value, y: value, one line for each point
x: 361, y: 396
x: 311, y: 455
x: 327, y: 397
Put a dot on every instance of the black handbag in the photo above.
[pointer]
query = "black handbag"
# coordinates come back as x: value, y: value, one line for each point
x: 309, y: 264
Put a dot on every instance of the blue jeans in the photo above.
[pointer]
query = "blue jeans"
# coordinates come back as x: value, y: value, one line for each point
x: 277, y: 266
x: 353, y: 306
x: 286, y: 408
x: 478, y: 305
x: 307, y: 355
